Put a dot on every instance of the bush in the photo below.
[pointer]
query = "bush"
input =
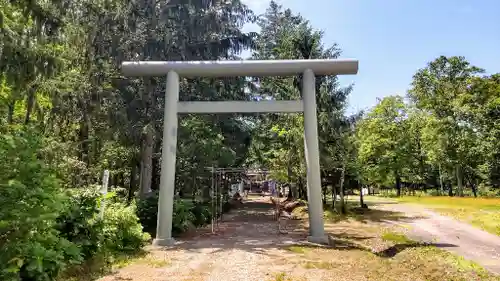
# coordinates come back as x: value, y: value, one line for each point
x: 147, y: 209
x: 45, y: 231
x: 186, y: 214
x: 183, y: 216
x: 101, y: 241
x: 118, y: 232
x: 122, y: 229
x: 202, y: 214
x: 31, y: 200
x: 78, y: 223
x: 486, y: 191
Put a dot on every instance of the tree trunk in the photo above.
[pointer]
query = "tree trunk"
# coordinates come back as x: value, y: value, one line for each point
x: 473, y: 186
x: 300, y: 186
x: 292, y: 190
x: 398, y: 183
x: 460, y: 183
x: 450, y: 190
x: 30, y: 103
x: 361, y: 199
x: 334, y: 195
x: 342, y: 202
x: 148, y: 140
x: 290, y: 194
x: 146, y: 161
x: 295, y: 190
x: 122, y: 179
x: 474, y: 189
x: 323, y: 191
x: 115, y: 180
x: 440, y: 180
x: 132, y: 183
x: 84, y: 138
x: 10, y: 112
x: 155, y: 176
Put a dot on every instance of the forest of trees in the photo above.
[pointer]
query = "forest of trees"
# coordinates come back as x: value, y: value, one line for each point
x: 67, y: 114
x: 443, y: 135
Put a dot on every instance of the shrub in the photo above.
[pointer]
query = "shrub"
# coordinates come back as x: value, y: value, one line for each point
x: 31, y: 200
x: 44, y: 230
x: 122, y: 229
x: 186, y: 214
x: 202, y: 213
x: 78, y: 223
x: 119, y: 231
x: 147, y: 209
x: 183, y: 216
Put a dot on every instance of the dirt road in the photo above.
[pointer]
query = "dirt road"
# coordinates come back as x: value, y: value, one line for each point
x: 457, y: 237
x: 246, y: 246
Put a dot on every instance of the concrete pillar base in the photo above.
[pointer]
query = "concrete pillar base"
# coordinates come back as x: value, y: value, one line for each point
x: 164, y: 242
x: 323, y: 240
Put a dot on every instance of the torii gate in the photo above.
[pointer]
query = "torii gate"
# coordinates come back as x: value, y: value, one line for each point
x: 174, y: 69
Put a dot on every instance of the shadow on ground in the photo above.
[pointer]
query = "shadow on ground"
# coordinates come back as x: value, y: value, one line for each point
x: 396, y: 249
x: 366, y: 215
x: 338, y: 242
x: 251, y: 227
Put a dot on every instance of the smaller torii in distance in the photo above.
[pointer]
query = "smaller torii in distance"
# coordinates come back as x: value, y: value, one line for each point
x: 256, y: 68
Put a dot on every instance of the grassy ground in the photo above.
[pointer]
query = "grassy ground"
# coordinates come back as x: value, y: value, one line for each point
x: 480, y: 212
x: 363, y: 249
x: 94, y: 269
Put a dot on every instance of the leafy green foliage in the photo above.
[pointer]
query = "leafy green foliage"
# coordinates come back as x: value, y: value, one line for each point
x: 45, y: 230
x: 79, y: 224
x: 31, y: 201
x: 384, y: 142
x: 187, y: 214
x: 278, y: 140
x: 444, y: 138
x: 122, y: 229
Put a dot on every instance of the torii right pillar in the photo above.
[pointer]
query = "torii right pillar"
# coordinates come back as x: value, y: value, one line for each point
x: 311, y: 146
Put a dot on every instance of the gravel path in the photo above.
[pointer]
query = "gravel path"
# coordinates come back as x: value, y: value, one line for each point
x: 448, y: 233
x: 246, y: 246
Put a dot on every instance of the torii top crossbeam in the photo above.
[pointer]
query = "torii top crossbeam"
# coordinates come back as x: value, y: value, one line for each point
x: 240, y: 68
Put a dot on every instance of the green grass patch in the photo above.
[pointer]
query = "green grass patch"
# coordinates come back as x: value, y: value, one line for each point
x: 492, y: 204
x: 99, y: 266
x: 396, y: 238
x: 297, y: 249
x: 461, y: 264
x: 282, y: 276
x: 153, y: 261
x: 320, y: 265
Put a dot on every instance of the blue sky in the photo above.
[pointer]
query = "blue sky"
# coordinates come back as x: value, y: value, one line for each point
x: 392, y: 39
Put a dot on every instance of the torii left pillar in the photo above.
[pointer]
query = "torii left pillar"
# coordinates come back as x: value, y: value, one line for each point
x: 168, y: 159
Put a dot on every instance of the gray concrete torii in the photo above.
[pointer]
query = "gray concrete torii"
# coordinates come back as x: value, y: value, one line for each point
x: 174, y: 69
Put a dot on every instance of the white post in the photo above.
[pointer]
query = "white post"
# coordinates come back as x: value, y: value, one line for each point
x: 168, y: 159
x: 241, y: 188
x: 104, y: 191
x: 315, y: 203
x: 212, y: 196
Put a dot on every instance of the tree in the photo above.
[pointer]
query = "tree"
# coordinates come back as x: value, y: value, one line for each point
x: 384, y: 142
x: 437, y: 89
x: 287, y: 36
x: 479, y: 107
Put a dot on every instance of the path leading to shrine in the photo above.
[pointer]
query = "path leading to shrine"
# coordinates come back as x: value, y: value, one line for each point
x: 248, y: 247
